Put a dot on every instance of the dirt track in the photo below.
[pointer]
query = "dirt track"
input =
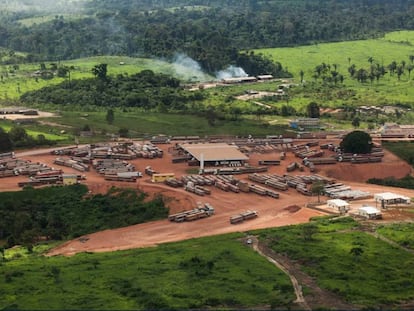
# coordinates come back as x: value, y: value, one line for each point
x: 272, y: 212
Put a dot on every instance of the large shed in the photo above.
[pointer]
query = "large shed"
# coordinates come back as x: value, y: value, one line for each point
x: 338, y: 204
x: 386, y: 198
x: 216, y: 154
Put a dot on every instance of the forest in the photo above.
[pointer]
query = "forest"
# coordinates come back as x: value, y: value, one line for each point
x: 65, y: 212
x: 211, y: 32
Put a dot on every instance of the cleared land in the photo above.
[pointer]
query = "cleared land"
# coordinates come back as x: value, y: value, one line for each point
x: 272, y: 212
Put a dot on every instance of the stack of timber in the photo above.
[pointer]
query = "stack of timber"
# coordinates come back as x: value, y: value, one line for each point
x: 243, y: 216
x: 160, y: 139
x: 148, y: 150
x: 122, y: 176
x: 150, y: 171
x: 269, y: 162
x: 292, y: 166
x: 75, y: 164
x: 199, y: 190
x: 174, y: 182
x: 321, y: 161
x: 54, y: 177
x: 309, y: 154
x: 197, y: 213
x: 112, y: 166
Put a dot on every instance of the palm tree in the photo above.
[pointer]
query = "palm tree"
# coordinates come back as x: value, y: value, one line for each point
x: 301, y: 73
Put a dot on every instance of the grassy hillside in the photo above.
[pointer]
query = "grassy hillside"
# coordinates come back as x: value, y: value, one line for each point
x: 395, y: 46
x: 217, y: 272
x: 348, y: 262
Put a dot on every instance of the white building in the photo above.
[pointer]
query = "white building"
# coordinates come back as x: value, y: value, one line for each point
x: 386, y: 198
x: 338, y: 204
x: 369, y: 212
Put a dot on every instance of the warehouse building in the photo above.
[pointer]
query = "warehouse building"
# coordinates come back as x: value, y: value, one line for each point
x: 215, y: 154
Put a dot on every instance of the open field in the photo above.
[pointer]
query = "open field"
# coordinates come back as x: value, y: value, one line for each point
x: 395, y: 46
x: 218, y: 272
x: 348, y: 262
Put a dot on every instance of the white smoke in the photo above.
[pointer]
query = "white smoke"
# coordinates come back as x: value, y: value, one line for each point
x: 231, y: 72
x: 187, y: 68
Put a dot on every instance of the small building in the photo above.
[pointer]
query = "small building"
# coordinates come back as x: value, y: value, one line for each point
x: 369, y: 212
x: 69, y: 179
x: 305, y: 123
x: 339, y: 205
x: 265, y: 77
x: 161, y: 177
x: 387, y: 198
x: 239, y: 80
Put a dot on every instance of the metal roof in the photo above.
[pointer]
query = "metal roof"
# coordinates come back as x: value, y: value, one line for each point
x: 215, y: 152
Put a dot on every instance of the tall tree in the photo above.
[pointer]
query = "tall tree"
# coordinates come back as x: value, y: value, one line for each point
x: 100, y: 71
x: 5, y: 141
x: 110, y: 116
x: 356, y: 142
x: 313, y: 110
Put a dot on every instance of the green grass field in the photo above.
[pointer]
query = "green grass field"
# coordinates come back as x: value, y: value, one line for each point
x: 357, y: 276
x: 395, y: 46
x: 146, y: 124
x: 403, y: 234
x: 218, y: 272
x: 35, y: 130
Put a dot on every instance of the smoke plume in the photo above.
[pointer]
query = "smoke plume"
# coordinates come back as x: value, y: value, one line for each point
x: 187, y: 68
x: 231, y: 72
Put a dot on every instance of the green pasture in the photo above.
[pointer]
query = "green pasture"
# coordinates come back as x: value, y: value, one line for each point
x: 215, y: 272
x: 18, y: 81
x: 143, y: 124
x: 394, y: 46
x: 348, y: 262
x: 28, y: 22
x: 35, y: 130
x: 402, y: 233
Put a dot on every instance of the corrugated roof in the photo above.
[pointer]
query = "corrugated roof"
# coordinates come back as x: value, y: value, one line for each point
x: 214, y: 152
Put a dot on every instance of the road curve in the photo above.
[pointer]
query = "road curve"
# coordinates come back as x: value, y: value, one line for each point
x: 300, y: 299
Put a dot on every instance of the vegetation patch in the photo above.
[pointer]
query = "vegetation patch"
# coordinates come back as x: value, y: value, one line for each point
x: 402, y: 233
x: 404, y: 150
x: 405, y: 182
x: 347, y: 262
x: 216, y: 272
x: 66, y: 212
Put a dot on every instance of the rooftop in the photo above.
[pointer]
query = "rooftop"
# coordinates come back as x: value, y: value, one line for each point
x: 215, y: 152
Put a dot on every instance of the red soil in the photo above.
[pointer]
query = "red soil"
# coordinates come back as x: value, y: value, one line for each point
x: 288, y: 209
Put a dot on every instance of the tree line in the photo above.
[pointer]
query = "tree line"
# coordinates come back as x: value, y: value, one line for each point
x: 17, y: 137
x: 212, y: 33
x: 64, y: 212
